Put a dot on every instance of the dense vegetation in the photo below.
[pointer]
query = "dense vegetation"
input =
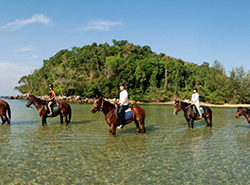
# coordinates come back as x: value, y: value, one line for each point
x: 148, y: 76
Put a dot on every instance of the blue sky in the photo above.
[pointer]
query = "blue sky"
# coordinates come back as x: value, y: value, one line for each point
x: 193, y: 30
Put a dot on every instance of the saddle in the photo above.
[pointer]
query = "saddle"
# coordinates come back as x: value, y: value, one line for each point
x: 196, y: 111
x: 128, y: 114
x: 54, y: 106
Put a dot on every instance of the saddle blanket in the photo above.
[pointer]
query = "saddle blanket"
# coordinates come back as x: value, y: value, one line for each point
x: 195, y: 110
x: 55, y: 107
x: 128, y: 114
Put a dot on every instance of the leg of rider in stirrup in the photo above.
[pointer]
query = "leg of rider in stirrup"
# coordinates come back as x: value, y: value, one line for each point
x: 199, y: 111
x: 121, y: 113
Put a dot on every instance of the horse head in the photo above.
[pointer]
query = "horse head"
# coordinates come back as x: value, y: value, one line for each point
x: 177, y: 106
x: 30, y: 101
x: 240, y: 111
x: 98, y: 104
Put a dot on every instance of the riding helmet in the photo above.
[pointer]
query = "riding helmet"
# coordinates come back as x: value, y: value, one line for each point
x: 51, y: 85
x: 195, y: 88
x: 122, y: 84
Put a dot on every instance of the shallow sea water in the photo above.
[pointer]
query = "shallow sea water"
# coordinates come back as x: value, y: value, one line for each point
x: 84, y: 152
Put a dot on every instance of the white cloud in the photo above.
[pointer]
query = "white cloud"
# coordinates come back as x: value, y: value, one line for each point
x: 10, y: 75
x: 19, y: 23
x: 9, y: 70
x: 101, y: 25
x: 24, y: 49
x: 33, y: 57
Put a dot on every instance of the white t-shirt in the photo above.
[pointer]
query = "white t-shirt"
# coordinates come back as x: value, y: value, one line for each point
x: 195, y: 98
x: 124, y: 94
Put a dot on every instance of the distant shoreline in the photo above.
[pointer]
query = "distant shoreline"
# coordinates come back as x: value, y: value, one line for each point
x: 79, y: 99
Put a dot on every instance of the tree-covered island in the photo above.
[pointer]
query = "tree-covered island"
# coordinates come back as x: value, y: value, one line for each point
x: 95, y: 68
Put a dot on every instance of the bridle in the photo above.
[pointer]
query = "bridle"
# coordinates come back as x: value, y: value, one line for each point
x: 29, y: 103
x: 177, y: 107
x: 240, y: 112
x: 99, y: 106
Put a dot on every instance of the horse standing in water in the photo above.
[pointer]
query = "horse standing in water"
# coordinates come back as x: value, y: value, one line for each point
x: 64, y: 109
x: 245, y: 112
x: 4, y: 108
x: 109, y: 111
x: 190, y: 115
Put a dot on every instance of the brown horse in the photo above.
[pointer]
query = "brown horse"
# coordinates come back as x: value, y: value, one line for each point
x: 64, y: 109
x: 109, y: 111
x: 190, y: 115
x: 4, y: 108
x: 245, y: 112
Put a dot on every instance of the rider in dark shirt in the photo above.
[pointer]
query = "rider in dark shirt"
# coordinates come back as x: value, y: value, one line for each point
x: 52, y: 97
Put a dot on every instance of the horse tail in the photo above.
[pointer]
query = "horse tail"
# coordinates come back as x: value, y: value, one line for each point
x: 9, y: 111
x: 69, y: 111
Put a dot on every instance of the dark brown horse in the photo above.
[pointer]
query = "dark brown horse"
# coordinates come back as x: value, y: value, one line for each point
x: 109, y: 111
x: 190, y: 115
x: 245, y: 112
x: 64, y: 109
x: 4, y: 108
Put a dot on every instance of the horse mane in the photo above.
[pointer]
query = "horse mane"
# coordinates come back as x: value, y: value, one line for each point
x: 184, y: 103
x: 38, y: 100
x: 110, y: 104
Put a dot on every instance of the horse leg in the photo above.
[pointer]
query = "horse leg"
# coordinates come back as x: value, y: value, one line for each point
x: 192, y: 123
x: 210, y: 121
x: 110, y: 129
x: 188, y: 122
x: 138, y: 129
x: 61, y: 118
x: 142, y: 122
x: 142, y: 126
x: 65, y: 117
x: 207, y: 121
x: 8, y: 120
x: 44, y: 122
x: 3, y: 121
x: 113, y: 129
x: 205, y: 118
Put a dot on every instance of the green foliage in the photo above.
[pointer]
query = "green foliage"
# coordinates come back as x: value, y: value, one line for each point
x: 98, y: 69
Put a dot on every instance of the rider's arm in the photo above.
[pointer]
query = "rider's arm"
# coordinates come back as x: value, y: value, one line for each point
x: 52, y: 96
x: 123, y: 100
x: 195, y: 97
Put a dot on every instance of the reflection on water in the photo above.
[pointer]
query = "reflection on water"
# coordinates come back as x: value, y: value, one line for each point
x: 85, y: 153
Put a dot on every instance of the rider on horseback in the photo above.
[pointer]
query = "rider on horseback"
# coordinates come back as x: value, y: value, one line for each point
x: 195, y: 100
x: 52, y: 97
x: 123, y: 103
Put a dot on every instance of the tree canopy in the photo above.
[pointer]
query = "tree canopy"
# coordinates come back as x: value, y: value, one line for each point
x: 148, y: 76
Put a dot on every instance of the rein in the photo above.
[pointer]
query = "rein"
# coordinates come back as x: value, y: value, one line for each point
x: 99, y: 107
x: 188, y: 106
x: 102, y: 104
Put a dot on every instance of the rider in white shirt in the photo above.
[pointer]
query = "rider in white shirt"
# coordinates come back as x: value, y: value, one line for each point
x: 195, y: 100
x: 123, y: 102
